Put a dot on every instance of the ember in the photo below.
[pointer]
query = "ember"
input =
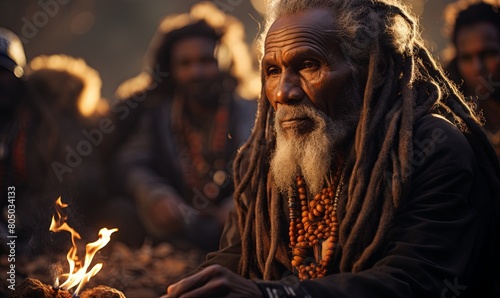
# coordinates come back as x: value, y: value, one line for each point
x: 34, y: 288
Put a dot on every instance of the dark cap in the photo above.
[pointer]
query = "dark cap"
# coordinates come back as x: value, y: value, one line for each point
x: 12, y: 55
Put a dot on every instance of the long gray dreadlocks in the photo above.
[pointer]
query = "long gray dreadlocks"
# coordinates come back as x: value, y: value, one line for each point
x: 380, y: 39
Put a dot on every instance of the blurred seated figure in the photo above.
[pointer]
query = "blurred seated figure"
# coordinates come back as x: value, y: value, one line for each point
x: 14, y: 111
x: 475, y: 64
x: 177, y: 164
x: 18, y: 117
x: 24, y: 153
x: 68, y: 91
x: 31, y: 145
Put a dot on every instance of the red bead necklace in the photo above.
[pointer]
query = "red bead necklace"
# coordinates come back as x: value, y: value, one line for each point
x: 314, y: 227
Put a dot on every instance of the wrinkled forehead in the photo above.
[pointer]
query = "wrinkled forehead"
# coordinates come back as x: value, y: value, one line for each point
x: 310, y: 26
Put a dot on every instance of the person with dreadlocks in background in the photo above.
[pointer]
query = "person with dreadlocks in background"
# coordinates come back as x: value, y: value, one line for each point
x: 176, y: 165
x: 366, y: 175
x: 475, y: 58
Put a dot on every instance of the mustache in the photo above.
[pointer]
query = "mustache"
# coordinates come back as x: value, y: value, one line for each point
x: 299, y: 111
x: 289, y: 112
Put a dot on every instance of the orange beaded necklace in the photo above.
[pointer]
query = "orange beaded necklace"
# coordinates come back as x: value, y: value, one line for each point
x: 315, y: 232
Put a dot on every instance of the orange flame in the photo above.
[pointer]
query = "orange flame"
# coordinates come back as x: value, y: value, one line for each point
x: 78, y: 274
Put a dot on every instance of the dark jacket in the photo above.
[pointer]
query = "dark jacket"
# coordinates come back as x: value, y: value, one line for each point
x: 444, y: 242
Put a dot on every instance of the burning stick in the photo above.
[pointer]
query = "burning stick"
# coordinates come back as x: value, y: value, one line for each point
x: 33, y: 288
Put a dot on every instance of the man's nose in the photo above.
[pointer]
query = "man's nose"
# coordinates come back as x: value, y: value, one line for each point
x: 479, y: 66
x: 289, y: 90
x: 196, y: 70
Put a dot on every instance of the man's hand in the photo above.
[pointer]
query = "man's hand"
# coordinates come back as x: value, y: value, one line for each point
x: 165, y: 215
x: 214, y: 281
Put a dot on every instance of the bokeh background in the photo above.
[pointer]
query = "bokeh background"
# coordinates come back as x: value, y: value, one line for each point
x: 113, y: 35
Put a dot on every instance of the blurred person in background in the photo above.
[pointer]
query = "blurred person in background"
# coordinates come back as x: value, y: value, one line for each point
x: 176, y: 167
x: 475, y: 58
x: 49, y: 145
x: 68, y: 91
x: 25, y: 154
x: 12, y: 105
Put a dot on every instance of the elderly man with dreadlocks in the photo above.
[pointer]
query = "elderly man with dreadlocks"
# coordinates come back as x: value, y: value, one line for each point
x: 366, y: 175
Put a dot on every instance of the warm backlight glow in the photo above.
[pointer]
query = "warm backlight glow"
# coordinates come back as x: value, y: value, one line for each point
x: 78, y: 274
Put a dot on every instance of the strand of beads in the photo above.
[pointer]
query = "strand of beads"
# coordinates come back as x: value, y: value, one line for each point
x: 294, y: 219
x: 318, y: 223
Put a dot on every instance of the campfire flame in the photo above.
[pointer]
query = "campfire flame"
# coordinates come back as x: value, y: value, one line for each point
x: 78, y: 274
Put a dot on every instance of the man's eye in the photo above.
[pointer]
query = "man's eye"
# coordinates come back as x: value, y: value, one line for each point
x: 490, y: 54
x: 465, y: 58
x: 208, y: 60
x: 309, y: 64
x: 273, y: 70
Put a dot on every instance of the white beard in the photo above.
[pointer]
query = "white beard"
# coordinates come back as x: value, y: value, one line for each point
x: 311, y: 154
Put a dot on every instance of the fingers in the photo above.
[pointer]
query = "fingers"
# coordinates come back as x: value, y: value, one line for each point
x: 195, y: 282
x: 214, y: 281
x: 165, y: 215
x: 217, y: 287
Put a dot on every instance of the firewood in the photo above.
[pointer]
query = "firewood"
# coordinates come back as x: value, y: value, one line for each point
x: 34, y: 288
x: 102, y: 292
